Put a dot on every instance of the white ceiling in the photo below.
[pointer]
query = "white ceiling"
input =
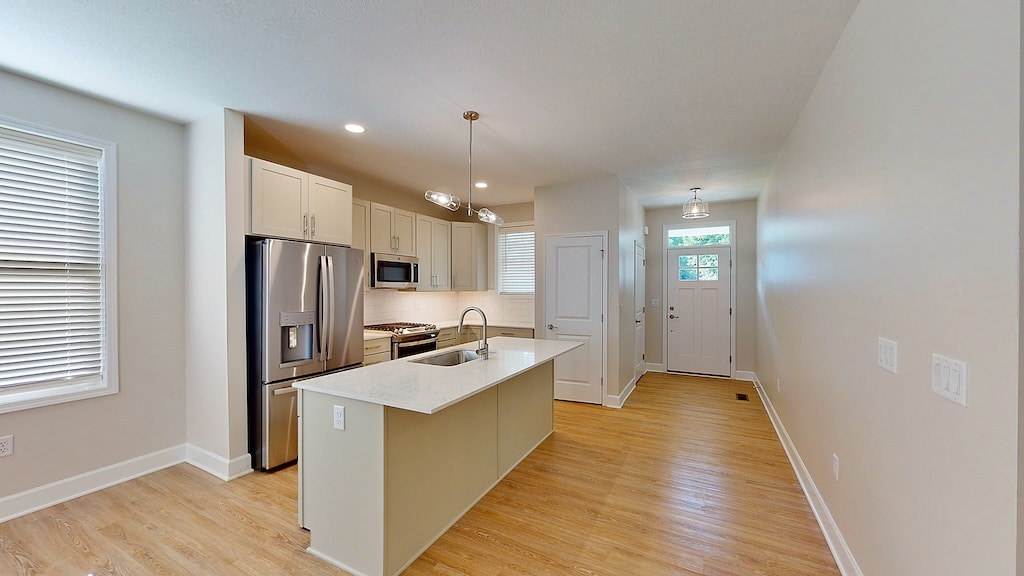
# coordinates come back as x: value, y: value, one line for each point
x: 667, y: 94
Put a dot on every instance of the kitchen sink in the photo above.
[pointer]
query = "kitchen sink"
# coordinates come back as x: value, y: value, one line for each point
x: 450, y: 358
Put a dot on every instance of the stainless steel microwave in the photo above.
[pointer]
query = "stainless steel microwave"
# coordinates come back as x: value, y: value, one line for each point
x: 394, y: 271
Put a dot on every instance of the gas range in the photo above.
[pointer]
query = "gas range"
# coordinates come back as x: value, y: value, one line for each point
x: 408, y: 338
x: 403, y: 329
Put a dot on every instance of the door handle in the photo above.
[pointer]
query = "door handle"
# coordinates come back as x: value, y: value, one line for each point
x: 672, y: 316
x: 552, y: 327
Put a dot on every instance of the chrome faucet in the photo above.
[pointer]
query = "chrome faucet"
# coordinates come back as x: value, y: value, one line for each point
x: 481, y: 348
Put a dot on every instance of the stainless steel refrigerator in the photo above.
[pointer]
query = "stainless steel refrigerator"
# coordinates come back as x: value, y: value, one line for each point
x: 304, y: 317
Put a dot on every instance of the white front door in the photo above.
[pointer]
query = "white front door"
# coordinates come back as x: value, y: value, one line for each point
x: 639, y: 311
x: 574, y: 281
x: 698, y: 310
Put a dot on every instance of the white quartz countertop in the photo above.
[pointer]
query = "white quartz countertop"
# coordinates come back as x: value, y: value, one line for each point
x: 430, y: 389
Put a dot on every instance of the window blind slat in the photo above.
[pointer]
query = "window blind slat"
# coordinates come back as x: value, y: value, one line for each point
x: 516, y: 260
x: 51, y: 260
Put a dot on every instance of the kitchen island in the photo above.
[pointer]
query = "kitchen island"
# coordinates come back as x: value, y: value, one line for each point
x: 417, y: 446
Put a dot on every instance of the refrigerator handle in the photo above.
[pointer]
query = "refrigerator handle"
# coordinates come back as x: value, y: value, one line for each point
x: 331, y: 301
x: 322, y: 320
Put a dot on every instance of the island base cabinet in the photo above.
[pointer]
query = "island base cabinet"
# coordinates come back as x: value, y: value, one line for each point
x: 376, y: 495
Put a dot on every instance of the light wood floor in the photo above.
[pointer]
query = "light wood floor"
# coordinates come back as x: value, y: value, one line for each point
x: 685, y: 480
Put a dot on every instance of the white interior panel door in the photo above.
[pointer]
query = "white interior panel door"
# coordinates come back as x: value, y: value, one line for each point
x: 574, y: 281
x: 698, y: 310
x: 639, y: 310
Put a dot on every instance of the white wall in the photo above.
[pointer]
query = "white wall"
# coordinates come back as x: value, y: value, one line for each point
x: 215, y: 289
x: 894, y: 212
x: 744, y: 251
x: 148, y: 414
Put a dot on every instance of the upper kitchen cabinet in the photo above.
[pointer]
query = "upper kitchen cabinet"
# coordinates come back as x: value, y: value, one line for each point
x: 469, y: 256
x: 289, y: 203
x: 330, y: 211
x: 434, y: 250
x: 361, y: 234
x: 392, y: 230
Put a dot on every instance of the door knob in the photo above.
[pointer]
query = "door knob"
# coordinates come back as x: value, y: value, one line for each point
x: 672, y: 316
x: 552, y: 327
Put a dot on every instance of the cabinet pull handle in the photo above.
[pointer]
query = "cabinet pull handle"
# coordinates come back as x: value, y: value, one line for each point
x: 305, y: 224
x: 312, y: 220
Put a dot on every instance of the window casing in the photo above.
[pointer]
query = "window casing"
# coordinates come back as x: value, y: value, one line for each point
x: 58, y: 305
x: 516, y: 258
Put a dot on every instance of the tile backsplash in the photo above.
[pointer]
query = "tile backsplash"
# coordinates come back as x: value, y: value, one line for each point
x: 395, y: 306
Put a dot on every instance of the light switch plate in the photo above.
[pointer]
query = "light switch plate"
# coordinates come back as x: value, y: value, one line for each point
x: 887, y: 354
x: 949, y: 378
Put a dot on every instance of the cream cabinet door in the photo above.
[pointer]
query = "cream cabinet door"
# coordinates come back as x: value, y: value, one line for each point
x: 382, y: 229
x: 469, y: 253
x: 441, y: 254
x: 361, y: 234
x: 278, y: 200
x: 433, y: 248
x: 330, y: 211
x: 405, y: 232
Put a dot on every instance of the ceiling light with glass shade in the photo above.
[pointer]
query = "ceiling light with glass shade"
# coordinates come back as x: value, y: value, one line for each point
x: 453, y: 202
x: 695, y: 208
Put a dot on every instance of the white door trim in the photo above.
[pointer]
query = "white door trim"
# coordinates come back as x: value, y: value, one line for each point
x: 732, y: 284
x: 603, y: 234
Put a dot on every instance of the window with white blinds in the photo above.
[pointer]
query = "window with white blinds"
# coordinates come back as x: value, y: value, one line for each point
x: 515, y: 259
x: 54, y: 300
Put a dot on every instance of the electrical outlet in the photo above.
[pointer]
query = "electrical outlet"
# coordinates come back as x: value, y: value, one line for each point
x: 835, y: 466
x: 6, y: 445
x: 339, y: 417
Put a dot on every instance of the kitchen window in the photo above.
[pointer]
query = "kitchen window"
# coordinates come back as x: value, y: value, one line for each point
x: 515, y: 259
x: 58, y: 313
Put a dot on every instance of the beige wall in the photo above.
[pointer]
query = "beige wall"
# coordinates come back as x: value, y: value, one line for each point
x: 861, y: 234
x: 216, y: 412
x: 744, y: 214
x: 595, y: 206
x: 148, y: 414
x: 630, y: 232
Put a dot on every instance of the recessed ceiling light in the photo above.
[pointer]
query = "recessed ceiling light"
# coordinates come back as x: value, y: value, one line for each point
x: 481, y: 184
x: 355, y: 128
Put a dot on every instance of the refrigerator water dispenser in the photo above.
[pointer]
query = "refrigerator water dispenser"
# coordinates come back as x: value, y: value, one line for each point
x: 296, y: 336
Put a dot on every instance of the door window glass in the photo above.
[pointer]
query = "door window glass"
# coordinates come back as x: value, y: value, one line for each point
x: 698, y: 267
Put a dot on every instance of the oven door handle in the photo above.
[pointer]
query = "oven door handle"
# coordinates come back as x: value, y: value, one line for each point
x: 419, y: 342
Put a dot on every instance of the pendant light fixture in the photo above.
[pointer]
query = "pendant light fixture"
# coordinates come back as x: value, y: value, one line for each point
x: 695, y: 208
x: 453, y: 202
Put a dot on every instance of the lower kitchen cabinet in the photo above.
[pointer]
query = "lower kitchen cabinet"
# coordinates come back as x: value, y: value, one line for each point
x: 376, y: 350
x: 471, y: 334
x: 447, y: 337
x: 493, y: 331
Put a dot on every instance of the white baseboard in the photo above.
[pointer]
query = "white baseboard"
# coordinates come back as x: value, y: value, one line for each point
x: 744, y: 375
x: 218, y: 465
x: 840, y: 551
x: 656, y: 367
x: 53, y: 493
x: 620, y: 400
x: 45, y: 496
